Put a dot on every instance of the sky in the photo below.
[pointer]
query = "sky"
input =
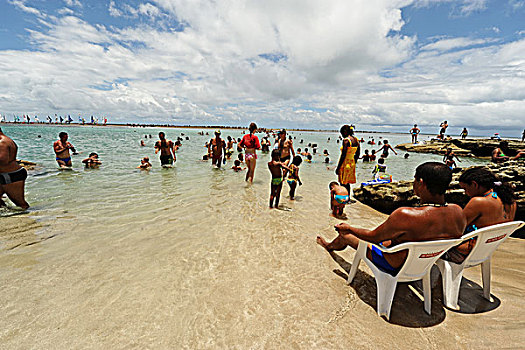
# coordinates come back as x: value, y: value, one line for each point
x: 381, y: 65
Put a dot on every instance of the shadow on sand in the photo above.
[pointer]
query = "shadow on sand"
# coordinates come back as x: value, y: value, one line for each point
x: 407, y: 307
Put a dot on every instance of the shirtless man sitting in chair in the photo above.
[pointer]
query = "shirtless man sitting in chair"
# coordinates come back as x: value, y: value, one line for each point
x: 433, y: 219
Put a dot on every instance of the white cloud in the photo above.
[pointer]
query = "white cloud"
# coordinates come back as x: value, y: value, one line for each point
x: 460, y: 7
x: 113, y: 10
x: 65, y: 11
x: 516, y: 4
x: 332, y: 63
x: 126, y: 10
x: 21, y: 4
x: 454, y: 43
x: 72, y: 3
x: 473, y: 6
x: 148, y: 9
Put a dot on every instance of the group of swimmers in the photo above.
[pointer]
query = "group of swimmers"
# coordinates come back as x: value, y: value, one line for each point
x: 282, y: 165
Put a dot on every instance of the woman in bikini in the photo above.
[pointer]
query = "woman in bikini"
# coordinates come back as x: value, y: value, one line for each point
x: 491, y: 202
x: 250, y: 143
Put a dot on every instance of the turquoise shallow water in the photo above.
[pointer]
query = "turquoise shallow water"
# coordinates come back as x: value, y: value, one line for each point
x: 118, y: 189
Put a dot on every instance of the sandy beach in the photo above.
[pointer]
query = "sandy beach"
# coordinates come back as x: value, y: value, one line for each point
x: 268, y: 287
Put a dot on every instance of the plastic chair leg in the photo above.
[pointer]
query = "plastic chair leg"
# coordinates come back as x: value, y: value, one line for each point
x: 451, y: 275
x: 353, y: 269
x: 485, y: 275
x: 427, y: 293
x: 386, y: 288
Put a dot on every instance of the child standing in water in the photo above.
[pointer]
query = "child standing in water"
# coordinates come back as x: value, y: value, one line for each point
x: 293, y: 175
x: 379, y: 168
x: 386, y: 148
x: 275, y: 167
x: 338, y: 198
x: 365, y: 157
x: 448, y: 158
x: 373, y: 156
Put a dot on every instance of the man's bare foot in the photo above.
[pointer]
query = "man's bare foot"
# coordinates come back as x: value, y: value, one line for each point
x: 320, y: 240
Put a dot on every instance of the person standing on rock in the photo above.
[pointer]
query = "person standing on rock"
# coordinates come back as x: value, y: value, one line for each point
x: 414, y: 132
x: 443, y: 127
x: 523, y: 136
x: 12, y: 175
x: 464, y: 133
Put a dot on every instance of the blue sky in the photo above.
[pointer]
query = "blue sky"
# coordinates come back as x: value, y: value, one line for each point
x: 379, y: 64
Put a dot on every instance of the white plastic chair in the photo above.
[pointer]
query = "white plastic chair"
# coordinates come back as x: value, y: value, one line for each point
x: 488, y: 240
x: 420, y: 259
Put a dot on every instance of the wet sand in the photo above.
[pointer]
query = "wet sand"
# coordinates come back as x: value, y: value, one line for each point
x: 255, y: 279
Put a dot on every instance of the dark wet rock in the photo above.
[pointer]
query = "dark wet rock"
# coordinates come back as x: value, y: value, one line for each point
x: 465, y: 148
x: 484, y: 147
x: 434, y: 147
x: 388, y: 197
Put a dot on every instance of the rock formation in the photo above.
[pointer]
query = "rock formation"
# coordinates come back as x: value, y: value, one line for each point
x: 434, y: 147
x: 465, y: 148
x: 484, y: 147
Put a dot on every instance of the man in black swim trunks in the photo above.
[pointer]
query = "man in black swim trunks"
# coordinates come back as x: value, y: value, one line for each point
x: 443, y: 129
x: 12, y: 175
x: 167, y: 150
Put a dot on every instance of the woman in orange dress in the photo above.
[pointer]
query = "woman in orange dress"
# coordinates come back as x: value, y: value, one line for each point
x: 348, y: 159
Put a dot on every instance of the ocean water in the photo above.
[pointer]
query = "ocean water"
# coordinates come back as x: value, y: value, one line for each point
x: 188, y: 257
x: 118, y: 189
